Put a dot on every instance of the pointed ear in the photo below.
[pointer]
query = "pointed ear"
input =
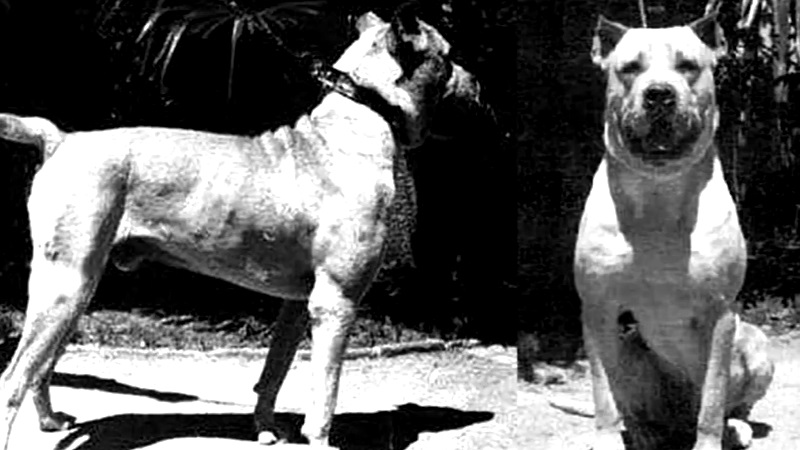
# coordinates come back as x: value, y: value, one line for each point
x: 406, y: 27
x: 708, y: 30
x: 606, y: 36
x: 368, y: 20
x: 405, y: 20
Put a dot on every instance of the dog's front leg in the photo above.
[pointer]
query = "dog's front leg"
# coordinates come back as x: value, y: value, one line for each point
x: 711, y: 418
x: 287, y: 334
x: 601, y: 338
x: 331, y: 313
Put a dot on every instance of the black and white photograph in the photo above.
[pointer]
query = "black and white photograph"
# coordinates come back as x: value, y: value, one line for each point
x: 400, y: 224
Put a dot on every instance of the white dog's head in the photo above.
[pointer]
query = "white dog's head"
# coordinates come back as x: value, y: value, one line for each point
x: 407, y: 63
x: 661, y: 112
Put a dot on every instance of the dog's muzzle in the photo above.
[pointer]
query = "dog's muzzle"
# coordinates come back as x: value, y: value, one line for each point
x: 660, y: 128
x: 463, y: 87
x: 462, y: 104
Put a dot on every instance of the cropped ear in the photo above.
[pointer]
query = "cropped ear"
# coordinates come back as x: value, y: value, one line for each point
x: 405, y: 20
x: 411, y: 41
x: 368, y: 20
x: 708, y: 30
x: 408, y: 28
x: 606, y: 36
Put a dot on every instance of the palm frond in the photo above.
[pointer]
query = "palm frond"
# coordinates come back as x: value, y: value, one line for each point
x: 309, y: 7
x: 205, y: 29
x: 279, y: 24
x: 264, y: 26
x: 236, y: 31
x: 282, y: 21
x: 748, y: 12
x: 782, y: 28
x: 171, y: 20
x: 170, y: 44
x: 149, y: 24
x: 183, y: 15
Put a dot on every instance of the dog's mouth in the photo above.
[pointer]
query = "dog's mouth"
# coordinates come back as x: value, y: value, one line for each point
x: 659, y: 138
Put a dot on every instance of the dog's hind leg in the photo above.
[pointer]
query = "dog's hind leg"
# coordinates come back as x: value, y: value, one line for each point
x: 66, y: 291
x: 70, y: 248
x: 40, y: 387
x: 287, y: 334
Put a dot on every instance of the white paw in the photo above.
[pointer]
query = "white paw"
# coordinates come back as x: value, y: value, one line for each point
x: 739, y: 433
x: 268, y: 438
x: 58, y: 421
x: 608, y: 441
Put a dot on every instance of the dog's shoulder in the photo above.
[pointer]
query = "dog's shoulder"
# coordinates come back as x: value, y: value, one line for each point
x: 601, y: 245
x: 716, y: 239
x: 302, y: 143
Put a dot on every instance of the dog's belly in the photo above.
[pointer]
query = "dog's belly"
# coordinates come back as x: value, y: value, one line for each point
x: 273, y: 261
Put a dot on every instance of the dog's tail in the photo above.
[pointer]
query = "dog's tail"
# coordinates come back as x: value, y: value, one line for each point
x: 37, y: 131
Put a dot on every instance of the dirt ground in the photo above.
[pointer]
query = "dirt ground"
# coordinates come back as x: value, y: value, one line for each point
x: 459, y: 399
x: 775, y: 418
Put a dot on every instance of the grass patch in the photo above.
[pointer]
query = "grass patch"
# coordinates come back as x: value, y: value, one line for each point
x: 147, y: 329
x: 776, y: 315
x: 152, y: 329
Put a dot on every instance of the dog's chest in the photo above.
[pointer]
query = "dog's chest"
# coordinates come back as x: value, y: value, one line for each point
x: 658, y: 265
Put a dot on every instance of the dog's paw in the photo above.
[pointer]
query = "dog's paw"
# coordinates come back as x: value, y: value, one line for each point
x: 270, y: 438
x: 608, y: 441
x: 58, y: 421
x: 738, y: 434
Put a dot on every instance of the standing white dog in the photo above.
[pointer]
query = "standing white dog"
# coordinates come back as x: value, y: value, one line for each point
x: 299, y: 213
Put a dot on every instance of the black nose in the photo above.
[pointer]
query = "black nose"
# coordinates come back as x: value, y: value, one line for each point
x: 660, y: 96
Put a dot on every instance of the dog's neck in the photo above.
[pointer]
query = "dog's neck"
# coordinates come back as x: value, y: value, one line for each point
x: 660, y: 206
x: 334, y: 80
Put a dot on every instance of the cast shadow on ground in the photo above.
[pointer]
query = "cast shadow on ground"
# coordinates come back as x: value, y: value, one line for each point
x: 95, y: 383
x: 395, y: 429
x: 760, y: 429
x: 113, y: 386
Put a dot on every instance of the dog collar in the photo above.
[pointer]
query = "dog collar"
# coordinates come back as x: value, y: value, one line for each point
x: 334, y: 80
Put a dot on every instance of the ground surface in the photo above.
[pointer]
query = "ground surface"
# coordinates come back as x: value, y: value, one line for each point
x: 458, y: 399
x: 776, y: 418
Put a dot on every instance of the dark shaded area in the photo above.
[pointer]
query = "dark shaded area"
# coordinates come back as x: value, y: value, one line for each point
x: 760, y: 429
x: 92, y: 382
x: 393, y: 430
x: 81, y: 67
x: 108, y: 385
x: 7, y: 348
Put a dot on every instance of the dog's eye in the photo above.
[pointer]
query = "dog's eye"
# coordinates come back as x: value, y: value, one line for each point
x: 687, y: 65
x: 631, y: 68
